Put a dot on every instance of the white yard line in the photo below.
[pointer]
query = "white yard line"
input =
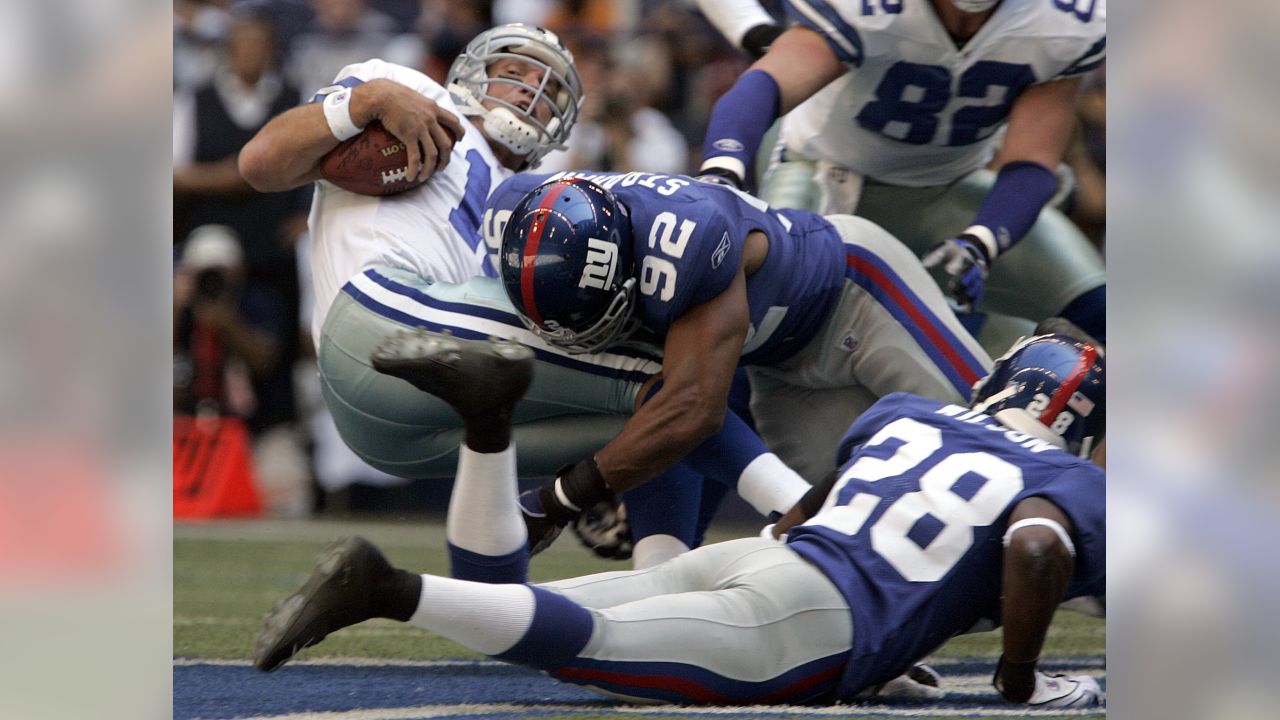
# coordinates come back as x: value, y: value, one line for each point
x: 422, y: 712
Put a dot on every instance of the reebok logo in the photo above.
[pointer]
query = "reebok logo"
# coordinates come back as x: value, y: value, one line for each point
x: 718, y: 255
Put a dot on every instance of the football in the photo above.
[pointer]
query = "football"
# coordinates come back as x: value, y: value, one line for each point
x: 374, y: 162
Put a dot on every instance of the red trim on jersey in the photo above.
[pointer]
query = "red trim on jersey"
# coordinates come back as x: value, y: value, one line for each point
x: 528, y: 264
x: 1068, y: 388
x: 925, y: 324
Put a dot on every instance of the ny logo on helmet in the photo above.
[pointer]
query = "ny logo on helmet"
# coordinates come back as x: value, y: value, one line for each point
x: 602, y: 262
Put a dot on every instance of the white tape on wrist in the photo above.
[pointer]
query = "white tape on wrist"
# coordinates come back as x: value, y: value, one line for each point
x: 1053, y: 525
x: 564, y: 498
x: 337, y: 112
x: 731, y: 164
x: 988, y: 238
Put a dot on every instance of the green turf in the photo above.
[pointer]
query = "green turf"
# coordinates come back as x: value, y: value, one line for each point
x: 226, y: 576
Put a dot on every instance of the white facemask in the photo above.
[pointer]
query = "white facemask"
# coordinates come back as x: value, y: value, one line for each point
x: 974, y: 6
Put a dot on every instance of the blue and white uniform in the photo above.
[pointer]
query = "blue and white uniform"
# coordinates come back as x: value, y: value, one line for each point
x: 417, y: 259
x: 917, y: 110
x: 903, y: 138
x: 911, y: 533
x: 432, y: 232
x: 905, y: 554
x: 841, y: 314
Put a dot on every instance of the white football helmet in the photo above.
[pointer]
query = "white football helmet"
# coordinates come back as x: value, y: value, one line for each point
x: 974, y: 6
x: 515, y: 128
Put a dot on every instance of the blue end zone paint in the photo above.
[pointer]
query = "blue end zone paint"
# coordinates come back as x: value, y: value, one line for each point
x: 218, y: 692
x: 227, y: 691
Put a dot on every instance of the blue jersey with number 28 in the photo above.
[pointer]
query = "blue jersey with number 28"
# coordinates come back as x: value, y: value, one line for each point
x: 687, y: 238
x: 912, y: 531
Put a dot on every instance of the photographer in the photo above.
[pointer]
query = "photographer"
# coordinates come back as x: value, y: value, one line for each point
x: 224, y: 343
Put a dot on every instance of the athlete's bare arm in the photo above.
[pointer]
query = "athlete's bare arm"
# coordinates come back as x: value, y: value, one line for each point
x: 286, y: 153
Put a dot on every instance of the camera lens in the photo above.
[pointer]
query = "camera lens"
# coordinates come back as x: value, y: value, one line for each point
x: 210, y: 284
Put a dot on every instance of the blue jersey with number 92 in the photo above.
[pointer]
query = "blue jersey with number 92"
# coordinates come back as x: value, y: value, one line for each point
x: 688, y: 237
x: 912, y: 531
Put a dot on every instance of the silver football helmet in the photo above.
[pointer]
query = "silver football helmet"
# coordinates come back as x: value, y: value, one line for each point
x: 516, y: 128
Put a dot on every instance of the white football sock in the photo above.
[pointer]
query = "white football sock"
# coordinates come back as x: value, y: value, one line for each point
x: 484, y: 617
x: 483, y: 515
x: 770, y: 486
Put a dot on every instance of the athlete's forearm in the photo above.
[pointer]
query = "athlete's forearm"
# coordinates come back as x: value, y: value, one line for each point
x: 700, y: 354
x: 287, y: 151
x: 1037, y: 570
x: 798, y: 64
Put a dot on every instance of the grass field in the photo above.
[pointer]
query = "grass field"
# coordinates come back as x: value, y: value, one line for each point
x: 227, y: 574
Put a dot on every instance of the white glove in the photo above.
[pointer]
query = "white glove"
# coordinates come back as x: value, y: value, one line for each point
x: 966, y: 263
x: 1065, y: 691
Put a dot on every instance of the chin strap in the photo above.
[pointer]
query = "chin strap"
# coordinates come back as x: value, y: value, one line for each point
x: 502, y: 126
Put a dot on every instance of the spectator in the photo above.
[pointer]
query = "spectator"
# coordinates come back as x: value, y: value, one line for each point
x: 343, y: 32
x: 223, y: 337
x: 229, y: 358
x: 199, y: 28
x: 210, y: 126
x: 620, y: 130
x: 447, y: 28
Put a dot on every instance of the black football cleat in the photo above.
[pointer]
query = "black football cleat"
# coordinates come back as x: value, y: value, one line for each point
x: 339, y: 593
x: 476, y: 377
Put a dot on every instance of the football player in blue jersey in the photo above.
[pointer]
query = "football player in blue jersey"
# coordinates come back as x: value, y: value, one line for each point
x: 827, y: 315
x: 386, y: 263
x: 894, y: 110
x: 941, y: 518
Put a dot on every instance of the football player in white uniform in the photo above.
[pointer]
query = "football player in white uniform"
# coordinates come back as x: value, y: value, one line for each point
x: 382, y: 265
x: 893, y: 108
x: 511, y: 97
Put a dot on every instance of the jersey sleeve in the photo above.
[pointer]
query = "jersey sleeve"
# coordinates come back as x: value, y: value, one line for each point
x: 1090, y: 31
x: 349, y: 77
x: 824, y: 18
x: 362, y: 72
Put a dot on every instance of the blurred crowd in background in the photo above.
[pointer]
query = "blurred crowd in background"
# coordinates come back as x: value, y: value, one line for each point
x: 652, y: 69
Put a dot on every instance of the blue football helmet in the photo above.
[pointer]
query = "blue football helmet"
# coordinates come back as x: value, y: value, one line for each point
x: 1050, y: 386
x: 567, y: 265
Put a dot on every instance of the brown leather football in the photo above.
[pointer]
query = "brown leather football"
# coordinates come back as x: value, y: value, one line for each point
x: 374, y: 162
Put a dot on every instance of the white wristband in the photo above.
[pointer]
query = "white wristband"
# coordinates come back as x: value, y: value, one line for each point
x: 337, y: 112
x: 1053, y: 525
x: 988, y: 238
